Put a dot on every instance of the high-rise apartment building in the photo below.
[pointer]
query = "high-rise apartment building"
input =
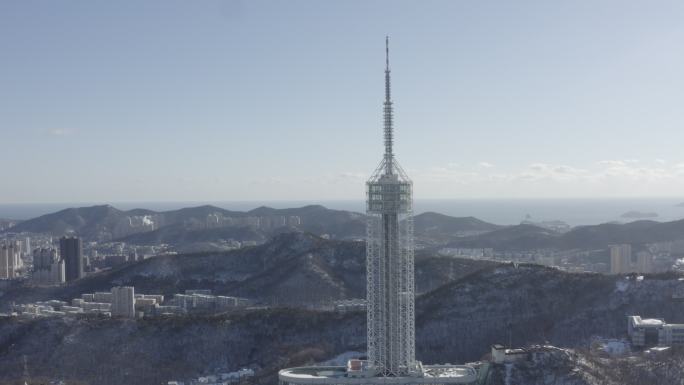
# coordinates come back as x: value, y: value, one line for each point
x: 10, y: 259
x: 620, y: 258
x: 123, y: 301
x: 48, y: 268
x: 71, y: 251
x: 644, y: 262
x: 27, y: 247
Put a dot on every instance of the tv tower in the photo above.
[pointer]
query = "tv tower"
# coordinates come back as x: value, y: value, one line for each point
x: 390, y: 286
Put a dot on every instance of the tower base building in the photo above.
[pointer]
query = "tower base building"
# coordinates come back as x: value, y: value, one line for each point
x: 341, y: 375
x: 390, y: 288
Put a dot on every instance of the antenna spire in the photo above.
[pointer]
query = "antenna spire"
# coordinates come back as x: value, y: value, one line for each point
x: 386, y: 53
x: 388, y: 114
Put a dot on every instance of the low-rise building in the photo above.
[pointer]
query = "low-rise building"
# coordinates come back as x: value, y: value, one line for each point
x: 649, y: 332
x: 167, y: 310
x: 102, y: 296
x: 72, y: 309
x: 157, y: 297
x: 199, y: 300
x: 219, y: 378
x: 198, y: 291
x: 96, y: 307
x: 123, y: 302
x: 672, y: 335
x: 502, y: 355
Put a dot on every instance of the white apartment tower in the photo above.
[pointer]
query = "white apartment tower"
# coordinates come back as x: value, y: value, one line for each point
x: 10, y: 259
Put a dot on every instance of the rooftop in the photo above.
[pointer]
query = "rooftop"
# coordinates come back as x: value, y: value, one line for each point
x: 432, y: 374
x: 637, y: 321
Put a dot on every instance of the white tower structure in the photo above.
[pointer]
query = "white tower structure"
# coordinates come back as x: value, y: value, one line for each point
x: 390, y: 283
x: 390, y: 288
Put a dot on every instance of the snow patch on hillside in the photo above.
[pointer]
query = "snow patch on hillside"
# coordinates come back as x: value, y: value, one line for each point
x: 341, y: 359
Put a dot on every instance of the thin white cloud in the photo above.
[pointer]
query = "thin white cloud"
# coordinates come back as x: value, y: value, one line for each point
x: 604, y: 178
x: 61, y: 131
x: 617, y: 162
x: 353, y: 175
x: 485, y: 165
x: 612, y: 163
x: 550, y: 172
x: 274, y: 180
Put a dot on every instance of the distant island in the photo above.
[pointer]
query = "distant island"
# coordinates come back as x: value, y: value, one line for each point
x: 638, y: 215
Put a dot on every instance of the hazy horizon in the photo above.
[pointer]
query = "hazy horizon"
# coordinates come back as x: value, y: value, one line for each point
x: 511, y: 212
x: 582, y: 211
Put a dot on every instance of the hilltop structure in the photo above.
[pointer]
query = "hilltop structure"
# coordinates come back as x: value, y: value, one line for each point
x: 390, y: 286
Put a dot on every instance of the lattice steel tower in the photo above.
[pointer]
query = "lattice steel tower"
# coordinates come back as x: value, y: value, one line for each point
x: 389, y: 259
x: 390, y: 288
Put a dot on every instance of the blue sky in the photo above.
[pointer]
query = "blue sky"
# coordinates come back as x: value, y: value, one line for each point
x: 254, y: 100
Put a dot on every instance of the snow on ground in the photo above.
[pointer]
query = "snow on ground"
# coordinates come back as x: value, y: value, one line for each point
x: 621, y: 286
x: 341, y: 359
x: 615, y: 347
x: 507, y: 379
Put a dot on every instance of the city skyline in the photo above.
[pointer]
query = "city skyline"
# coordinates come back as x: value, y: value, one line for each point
x: 266, y: 101
x: 302, y: 192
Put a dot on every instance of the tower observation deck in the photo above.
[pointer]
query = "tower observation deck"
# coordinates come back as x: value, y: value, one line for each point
x: 390, y: 285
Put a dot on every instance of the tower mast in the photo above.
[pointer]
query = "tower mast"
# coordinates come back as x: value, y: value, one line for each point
x: 388, y: 114
x: 389, y: 258
x: 390, y: 286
